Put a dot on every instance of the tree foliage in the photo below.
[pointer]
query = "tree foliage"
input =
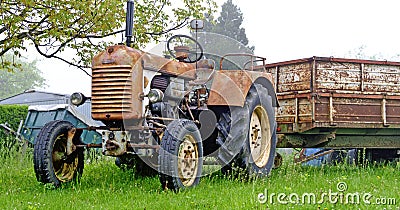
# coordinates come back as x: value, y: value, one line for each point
x: 20, y: 76
x: 53, y: 26
x: 229, y: 23
x: 225, y: 35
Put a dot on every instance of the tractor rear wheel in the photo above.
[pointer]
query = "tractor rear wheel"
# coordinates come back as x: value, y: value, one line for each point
x: 259, y: 150
x: 181, y: 153
x: 247, y: 134
x: 51, y: 162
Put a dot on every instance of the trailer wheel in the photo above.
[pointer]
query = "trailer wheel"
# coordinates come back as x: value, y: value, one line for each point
x: 180, y: 159
x: 51, y: 162
x: 252, y: 134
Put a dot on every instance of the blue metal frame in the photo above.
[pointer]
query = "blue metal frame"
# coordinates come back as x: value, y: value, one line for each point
x: 37, y: 119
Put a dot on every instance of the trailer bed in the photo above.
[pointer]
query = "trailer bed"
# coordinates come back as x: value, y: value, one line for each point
x: 39, y: 115
x: 324, y: 98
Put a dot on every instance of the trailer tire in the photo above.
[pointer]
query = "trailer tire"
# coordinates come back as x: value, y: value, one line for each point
x: 51, y: 145
x: 181, y: 153
x: 241, y: 137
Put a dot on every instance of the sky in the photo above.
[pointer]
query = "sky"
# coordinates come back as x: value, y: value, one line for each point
x: 284, y: 30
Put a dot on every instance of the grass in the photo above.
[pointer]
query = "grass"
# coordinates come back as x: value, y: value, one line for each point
x: 105, y: 186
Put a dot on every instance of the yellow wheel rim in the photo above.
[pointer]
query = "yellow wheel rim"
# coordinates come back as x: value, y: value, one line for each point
x: 188, y: 161
x: 64, y: 171
x: 260, y: 136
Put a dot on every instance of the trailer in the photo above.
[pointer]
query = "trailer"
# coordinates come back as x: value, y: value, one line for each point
x: 331, y: 102
x: 39, y: 115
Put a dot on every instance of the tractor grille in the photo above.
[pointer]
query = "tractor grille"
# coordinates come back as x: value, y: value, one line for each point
x: 111, y: 92
x: 160, y: 82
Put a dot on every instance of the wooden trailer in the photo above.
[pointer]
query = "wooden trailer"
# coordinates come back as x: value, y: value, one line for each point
x: 337, y: 103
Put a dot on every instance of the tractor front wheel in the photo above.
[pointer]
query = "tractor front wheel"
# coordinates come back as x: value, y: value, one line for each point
x: 181, y: 153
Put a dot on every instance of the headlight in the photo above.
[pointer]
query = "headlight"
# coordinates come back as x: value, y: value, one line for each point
x: 155, y: 95
x: 77, y: 99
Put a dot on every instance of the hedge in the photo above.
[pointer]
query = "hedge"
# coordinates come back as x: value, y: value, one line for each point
x: 12, y: 115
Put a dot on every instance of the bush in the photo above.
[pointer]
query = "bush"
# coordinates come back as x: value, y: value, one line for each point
x: 12, y: 115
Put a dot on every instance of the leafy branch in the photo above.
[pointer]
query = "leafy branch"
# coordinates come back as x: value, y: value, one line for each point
x: 52, y: 26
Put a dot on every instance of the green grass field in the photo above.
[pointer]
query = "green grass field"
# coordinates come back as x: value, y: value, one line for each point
x: 105, y: 186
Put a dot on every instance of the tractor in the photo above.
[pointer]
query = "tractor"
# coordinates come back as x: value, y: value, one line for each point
x: 166, y: 115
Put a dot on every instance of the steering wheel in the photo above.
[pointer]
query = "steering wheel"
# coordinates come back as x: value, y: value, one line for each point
x: 188, y: 44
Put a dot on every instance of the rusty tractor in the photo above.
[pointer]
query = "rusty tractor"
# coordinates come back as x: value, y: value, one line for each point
x: 166, y: 115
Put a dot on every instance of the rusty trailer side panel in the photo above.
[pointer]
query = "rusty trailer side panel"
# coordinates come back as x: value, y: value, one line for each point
x: 337, y: 96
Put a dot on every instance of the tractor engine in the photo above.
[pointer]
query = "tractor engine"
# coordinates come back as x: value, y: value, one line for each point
x: 135, y: 94
x: 123, y: 78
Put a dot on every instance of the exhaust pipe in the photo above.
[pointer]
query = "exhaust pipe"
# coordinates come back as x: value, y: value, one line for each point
x: 130, y: 8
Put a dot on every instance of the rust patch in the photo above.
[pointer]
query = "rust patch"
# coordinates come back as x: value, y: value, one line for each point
x: 167, y: 66
x: 230, y: 87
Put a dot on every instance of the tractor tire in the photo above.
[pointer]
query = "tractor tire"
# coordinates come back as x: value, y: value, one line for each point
x: 248, y: 135
x: 231, y: 135
x: 181, y: 156
x: 51, y: 163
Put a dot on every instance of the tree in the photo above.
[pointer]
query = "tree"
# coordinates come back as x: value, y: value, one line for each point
x: 229, y: 23
x: 22, y: 75
x: 53, y: 26
x: 225, y: 35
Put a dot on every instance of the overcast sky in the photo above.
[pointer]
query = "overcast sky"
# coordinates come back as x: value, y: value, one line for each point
x: 287, y: 29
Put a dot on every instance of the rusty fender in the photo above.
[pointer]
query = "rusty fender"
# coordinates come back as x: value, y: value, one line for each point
x: 230, y: 87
